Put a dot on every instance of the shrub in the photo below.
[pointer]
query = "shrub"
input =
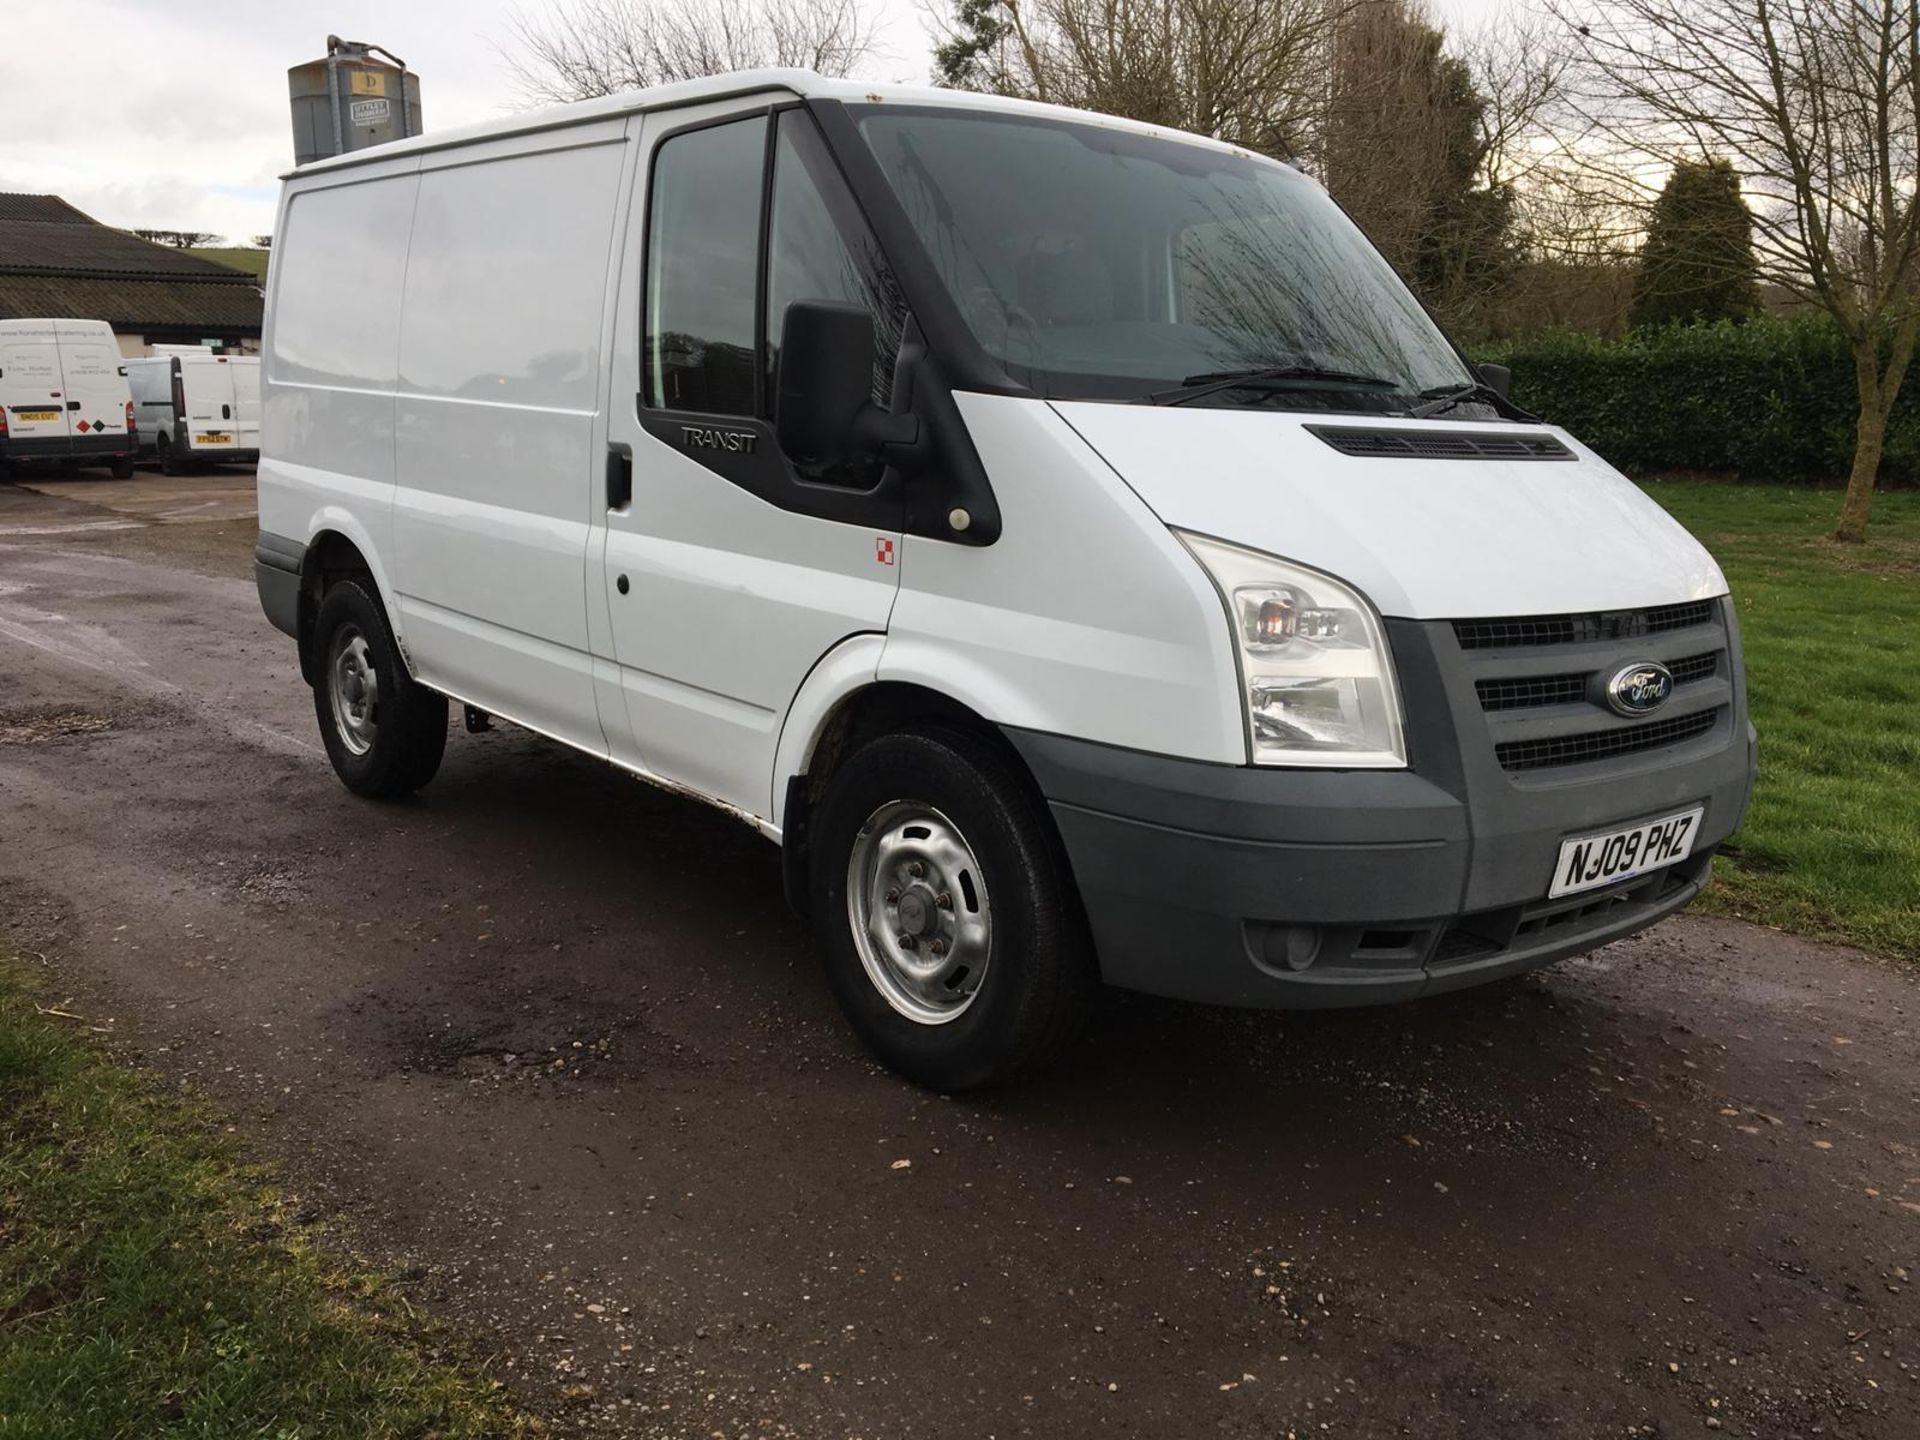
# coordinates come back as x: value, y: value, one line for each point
x: 1698, y: 263
x: 1772, y: 399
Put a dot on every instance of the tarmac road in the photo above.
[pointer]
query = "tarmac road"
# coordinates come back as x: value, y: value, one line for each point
x: 548, y: 1037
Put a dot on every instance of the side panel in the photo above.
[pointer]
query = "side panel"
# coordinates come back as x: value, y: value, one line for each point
x: 329, y: 372
x: 1086, y: 618
x: 499, y: 390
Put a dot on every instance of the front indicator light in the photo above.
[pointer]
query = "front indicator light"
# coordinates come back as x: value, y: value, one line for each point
x: 1316, y: 676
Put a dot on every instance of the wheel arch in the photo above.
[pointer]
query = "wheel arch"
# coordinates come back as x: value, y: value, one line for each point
x: 856, y: 714
x: 333, y: 553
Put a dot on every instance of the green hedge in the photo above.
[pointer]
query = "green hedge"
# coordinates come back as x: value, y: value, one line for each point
x: 1768, y: 400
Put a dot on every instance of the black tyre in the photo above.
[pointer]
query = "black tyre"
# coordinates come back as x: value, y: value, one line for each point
x: 384, y: 732
x: 945, y: 914
x: 170, y: 459
x: 122, y: 468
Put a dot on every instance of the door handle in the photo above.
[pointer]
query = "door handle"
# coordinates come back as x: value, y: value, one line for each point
x: 73, y: 404
x: 226, y: 412
x: 619, y: 475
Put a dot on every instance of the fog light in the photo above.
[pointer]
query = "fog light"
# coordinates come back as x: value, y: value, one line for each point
x: 1290, y: 947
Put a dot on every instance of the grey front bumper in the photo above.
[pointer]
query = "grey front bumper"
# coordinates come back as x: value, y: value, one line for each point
x: 1301, y: 888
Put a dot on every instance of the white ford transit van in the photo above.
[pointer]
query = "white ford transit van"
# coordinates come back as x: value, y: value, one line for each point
x: 197, y: 408
x: 63, y: 396
x: 1065, y: 538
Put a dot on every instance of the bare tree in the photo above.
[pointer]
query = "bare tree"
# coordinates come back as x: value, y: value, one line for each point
x: 578, y: 49
x: 178, y: 239
x: 1521, y: 79
x: 1247, y: 71
x: 1817, y: 103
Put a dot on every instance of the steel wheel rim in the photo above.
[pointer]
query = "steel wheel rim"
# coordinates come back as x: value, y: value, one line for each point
x: 353, y: 687
x: 917, y: 903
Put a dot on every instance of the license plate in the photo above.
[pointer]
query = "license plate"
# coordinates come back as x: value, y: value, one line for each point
x: 36, y: 414
x: 213, y: 437
x: 1595, y: 860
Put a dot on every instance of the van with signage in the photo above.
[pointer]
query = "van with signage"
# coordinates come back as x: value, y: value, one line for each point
x: 63, y: 396
x: 1065, y: 538
x: 195, y: 407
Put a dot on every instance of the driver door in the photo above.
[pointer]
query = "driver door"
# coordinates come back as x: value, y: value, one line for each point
x: 724, y: 573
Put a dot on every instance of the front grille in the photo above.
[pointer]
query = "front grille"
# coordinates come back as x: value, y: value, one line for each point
x: 1527, y: 694
x: 1526, y: 631
x: 1542, y: 752
x: 1436, y: 443
x: 1532, y: 692
x: 1695, y: 667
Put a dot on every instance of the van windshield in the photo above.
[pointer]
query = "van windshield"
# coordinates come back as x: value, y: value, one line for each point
x: 1093, y: 262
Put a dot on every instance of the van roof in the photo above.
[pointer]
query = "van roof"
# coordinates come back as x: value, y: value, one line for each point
x: 802, y: 83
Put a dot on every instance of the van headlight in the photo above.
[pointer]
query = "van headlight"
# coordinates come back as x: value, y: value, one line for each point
x: 1315, y: 671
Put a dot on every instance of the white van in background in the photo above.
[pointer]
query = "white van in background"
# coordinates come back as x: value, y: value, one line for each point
x: 63, y: 396
x: 1066, y: 538
x: 194, y: 407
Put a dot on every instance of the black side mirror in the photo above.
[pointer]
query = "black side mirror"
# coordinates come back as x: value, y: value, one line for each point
x: 824, y: 413
x: 1497, y: 378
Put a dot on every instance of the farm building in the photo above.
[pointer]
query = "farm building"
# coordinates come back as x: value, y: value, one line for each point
x: 56, y: 261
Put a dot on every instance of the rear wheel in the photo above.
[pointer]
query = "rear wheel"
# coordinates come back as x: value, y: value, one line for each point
x: 170, y: 459
x: 384, y: 731
x: 122, y: 468
x: 944, y: 912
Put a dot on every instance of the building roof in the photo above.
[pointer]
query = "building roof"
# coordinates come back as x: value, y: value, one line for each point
x: 56, y: 260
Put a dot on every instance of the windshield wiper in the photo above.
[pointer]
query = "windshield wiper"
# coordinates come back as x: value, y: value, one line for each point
x: 1445, y: 397
x: 1212, y: 382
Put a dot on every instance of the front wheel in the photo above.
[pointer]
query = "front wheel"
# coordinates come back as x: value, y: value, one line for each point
x: 944, y: 912
x: 384, y: 731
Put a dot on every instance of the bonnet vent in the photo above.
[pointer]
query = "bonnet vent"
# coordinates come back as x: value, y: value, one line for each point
x: 1436, y: 443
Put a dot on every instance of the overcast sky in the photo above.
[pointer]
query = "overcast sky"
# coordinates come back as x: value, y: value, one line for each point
x: 173, y: 114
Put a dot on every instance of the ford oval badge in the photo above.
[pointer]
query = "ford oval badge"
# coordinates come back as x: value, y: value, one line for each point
x: 1640, y: 688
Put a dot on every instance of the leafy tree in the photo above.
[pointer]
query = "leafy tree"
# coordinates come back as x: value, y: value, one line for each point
x: 1698, y: 262
x: 962, y: 60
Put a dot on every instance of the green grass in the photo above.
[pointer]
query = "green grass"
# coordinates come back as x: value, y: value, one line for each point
x: 1831, y: 846
x: 151, y: 1285
x: 240, y: 257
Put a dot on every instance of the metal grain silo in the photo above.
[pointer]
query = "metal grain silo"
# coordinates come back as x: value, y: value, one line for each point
x: 351, y: 100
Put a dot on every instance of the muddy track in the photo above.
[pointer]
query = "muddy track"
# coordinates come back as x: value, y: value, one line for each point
x: 548, y: 1036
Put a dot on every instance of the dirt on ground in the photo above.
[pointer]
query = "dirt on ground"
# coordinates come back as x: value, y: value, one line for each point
x: 545, y: 1040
